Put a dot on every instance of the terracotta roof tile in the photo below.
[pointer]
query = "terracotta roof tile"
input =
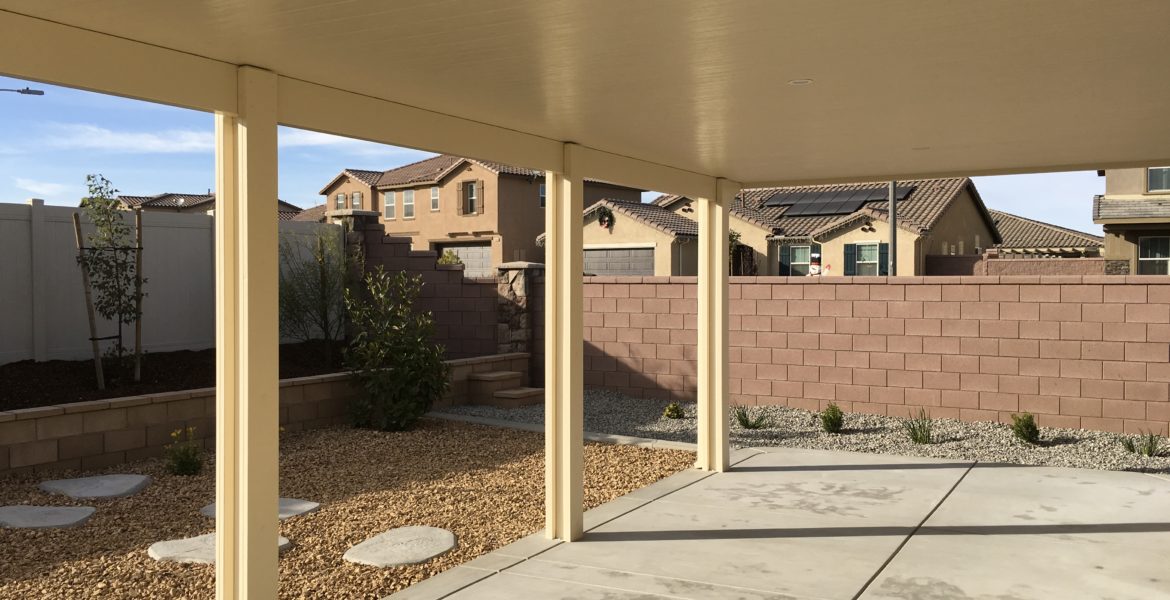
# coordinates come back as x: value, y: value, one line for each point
x: 1021, y: 232
x: 190, y: 202
x: 1106, y: 208
x: 314, y: 214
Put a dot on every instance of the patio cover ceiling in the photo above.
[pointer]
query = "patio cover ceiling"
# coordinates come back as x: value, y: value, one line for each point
x: 900, y: 88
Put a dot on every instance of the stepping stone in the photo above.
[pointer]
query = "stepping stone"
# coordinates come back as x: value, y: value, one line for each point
x: 402, y: 546
x: 100, y: 486
x: 288, y: 507
x: 44, y: 517
x: 199, y: 549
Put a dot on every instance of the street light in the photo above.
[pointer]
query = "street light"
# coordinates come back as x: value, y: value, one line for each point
x: 26, y: 91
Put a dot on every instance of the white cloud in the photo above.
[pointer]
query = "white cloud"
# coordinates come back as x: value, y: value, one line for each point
x: 41, y: 188
x: 302, y: 138
x: 82, y: 136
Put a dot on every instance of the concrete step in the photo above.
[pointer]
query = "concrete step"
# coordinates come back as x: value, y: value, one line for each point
x: 517, y: 397
x: 481, y: 387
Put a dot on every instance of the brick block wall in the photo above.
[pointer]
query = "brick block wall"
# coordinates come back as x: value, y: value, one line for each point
x: 103, y: 433
x: 1078, y: 351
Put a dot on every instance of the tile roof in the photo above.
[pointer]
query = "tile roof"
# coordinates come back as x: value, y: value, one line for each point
x: 363, y: 175
x: 191, y: 202
x: 1021, y: 232
x: 650, y: 214
x: 315, y: 214
x: 434, y: 169
x: 1106, y: 208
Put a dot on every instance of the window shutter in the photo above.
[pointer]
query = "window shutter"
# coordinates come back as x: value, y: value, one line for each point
x: 462, y: 197
x: 785, y: 259
x: 480, y: 201
x: 883, y: 259
x: 850, y: 259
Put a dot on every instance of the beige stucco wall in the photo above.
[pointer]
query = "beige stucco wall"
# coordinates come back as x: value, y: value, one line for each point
x: 833, y: 247
x: 1121, y: 241
x: 670, y: 258
x: 756, y: 237
x: 348, y: 185
x: 1125, y: 182
x: 961, y: 225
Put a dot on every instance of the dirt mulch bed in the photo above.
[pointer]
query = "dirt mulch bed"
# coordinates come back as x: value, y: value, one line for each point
x: 27, y: 384
x: 484, y: 484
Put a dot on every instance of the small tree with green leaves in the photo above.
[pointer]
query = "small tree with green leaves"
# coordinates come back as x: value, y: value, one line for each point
x: 391, y: 354
x: 450, y: 258
x: 313, y: 281
x: 110, y: 260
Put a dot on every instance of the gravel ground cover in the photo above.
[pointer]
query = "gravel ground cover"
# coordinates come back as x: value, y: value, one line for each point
x: 611, y: 412
x: 484, y: 484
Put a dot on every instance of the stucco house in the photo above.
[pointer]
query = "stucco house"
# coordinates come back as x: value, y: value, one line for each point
x: 1135, y: 213
x: 194, y: 203
x: 487, y: 213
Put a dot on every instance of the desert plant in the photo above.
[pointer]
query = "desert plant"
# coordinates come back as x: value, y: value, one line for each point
x: 313, y: 279
x: 832, y: 419
x: 1025, y: 429
x: 1146, y: 444
x: 184, y: 455
x: 391, y: 354
x: 749, y: 418
x: 673, y: 411
x: 450, y: 258
x: 920, y: 427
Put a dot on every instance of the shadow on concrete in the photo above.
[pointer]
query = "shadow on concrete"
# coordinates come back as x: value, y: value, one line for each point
x: 834, y: 532
x: 872, y: 467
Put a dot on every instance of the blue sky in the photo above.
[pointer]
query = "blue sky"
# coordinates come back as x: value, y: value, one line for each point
x: 51, y: 142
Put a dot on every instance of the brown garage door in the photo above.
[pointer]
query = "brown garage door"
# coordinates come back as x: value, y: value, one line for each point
x: 477, y: 258
x: 623, y: 261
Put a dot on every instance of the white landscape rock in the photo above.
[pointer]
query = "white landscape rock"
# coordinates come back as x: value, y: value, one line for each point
x: 199, y: 549
x: 288, y: 507
x: 99, y: 486
x: 44, y: 517
x: 402, y: 546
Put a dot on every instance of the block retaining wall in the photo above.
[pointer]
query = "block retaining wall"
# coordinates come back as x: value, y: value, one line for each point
x: 103, y: 433
x: 1078, y: 351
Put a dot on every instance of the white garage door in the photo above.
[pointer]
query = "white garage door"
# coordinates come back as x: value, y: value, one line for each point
x: 623, y: 261
x: 477, y: 258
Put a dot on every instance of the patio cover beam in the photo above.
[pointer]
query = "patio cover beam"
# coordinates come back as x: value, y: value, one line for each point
x: 713, y: 445
x: 564, y: 347
x: 247, y: 393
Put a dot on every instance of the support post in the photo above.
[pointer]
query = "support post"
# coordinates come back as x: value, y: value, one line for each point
x: 564, y: 347
x: 713, y: 445
x: 893, y: 268
x: 246, y: 343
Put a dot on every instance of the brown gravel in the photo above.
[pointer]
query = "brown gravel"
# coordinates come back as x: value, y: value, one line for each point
x: 484, y: 484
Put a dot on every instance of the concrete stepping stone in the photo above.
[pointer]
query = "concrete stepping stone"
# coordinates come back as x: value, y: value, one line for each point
x: 99, y: 486
x: 199, y: 549
x: 402, y: 546
x: 288, y: 507
x: 44, y: 517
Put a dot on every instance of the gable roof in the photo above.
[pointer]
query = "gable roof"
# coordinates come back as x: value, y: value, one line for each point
x: 314, y: 214
x: 200, y: 202
x: 918, y: 212
x: 1022, y: 232
x: 648, y: 214
x: 433, y: 170
x: 363, y: 175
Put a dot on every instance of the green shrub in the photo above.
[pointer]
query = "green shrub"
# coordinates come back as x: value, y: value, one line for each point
x: 749, y: 418
x: 450, y: 258
x: 184, y: 455
x: 391, y: 354
x: 832, y: 419
x: 673, y: 411
x: 1025, y: 429
x: 920, y: 428
x: 1146, y: 444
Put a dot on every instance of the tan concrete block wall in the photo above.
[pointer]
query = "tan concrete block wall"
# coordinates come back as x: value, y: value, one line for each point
x: 1078, y: 351
x: 103, y: 433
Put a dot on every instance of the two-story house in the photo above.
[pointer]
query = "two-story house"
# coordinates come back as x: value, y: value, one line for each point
x: 487, y: 213
x: 1135, y: 213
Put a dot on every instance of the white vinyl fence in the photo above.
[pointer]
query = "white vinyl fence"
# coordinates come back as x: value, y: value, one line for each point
x: 42, y: 302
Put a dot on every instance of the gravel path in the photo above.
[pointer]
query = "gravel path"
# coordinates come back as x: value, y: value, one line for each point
x: 611, y: 412
x: 485, y: 484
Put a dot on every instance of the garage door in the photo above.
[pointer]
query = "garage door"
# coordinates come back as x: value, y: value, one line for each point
x: 477, y: 258
x: 624, y: 261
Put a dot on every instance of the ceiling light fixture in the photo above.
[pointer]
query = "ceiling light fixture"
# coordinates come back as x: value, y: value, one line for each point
x: 799, y: 82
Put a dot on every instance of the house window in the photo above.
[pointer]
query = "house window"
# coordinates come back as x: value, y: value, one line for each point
x: 339, y: 203
x: 356, y: 200
x: 1154, y: 255
x: 1158, y: 179
x: 542, y: 195
x: 471, y: 202
x: 867, y: 259
x: 434, y: 198
x: 800, y: 256
x: 391, y: 204
x: 408, y: 204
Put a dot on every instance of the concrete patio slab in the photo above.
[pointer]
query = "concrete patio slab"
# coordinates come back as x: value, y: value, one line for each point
x: 98, y: 486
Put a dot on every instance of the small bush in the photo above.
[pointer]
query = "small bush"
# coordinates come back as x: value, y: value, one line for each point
x: 1025, y: 429
x: 832, y: 419
x: 391, y: 354
x: 673, y: 411
x: 450, y: 258
x: 184, y: 455
x: 749, y: 418
x: 920, y: 428
x: 1146, y: 444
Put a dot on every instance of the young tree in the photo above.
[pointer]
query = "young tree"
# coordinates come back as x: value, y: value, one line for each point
x: 313, y: 280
